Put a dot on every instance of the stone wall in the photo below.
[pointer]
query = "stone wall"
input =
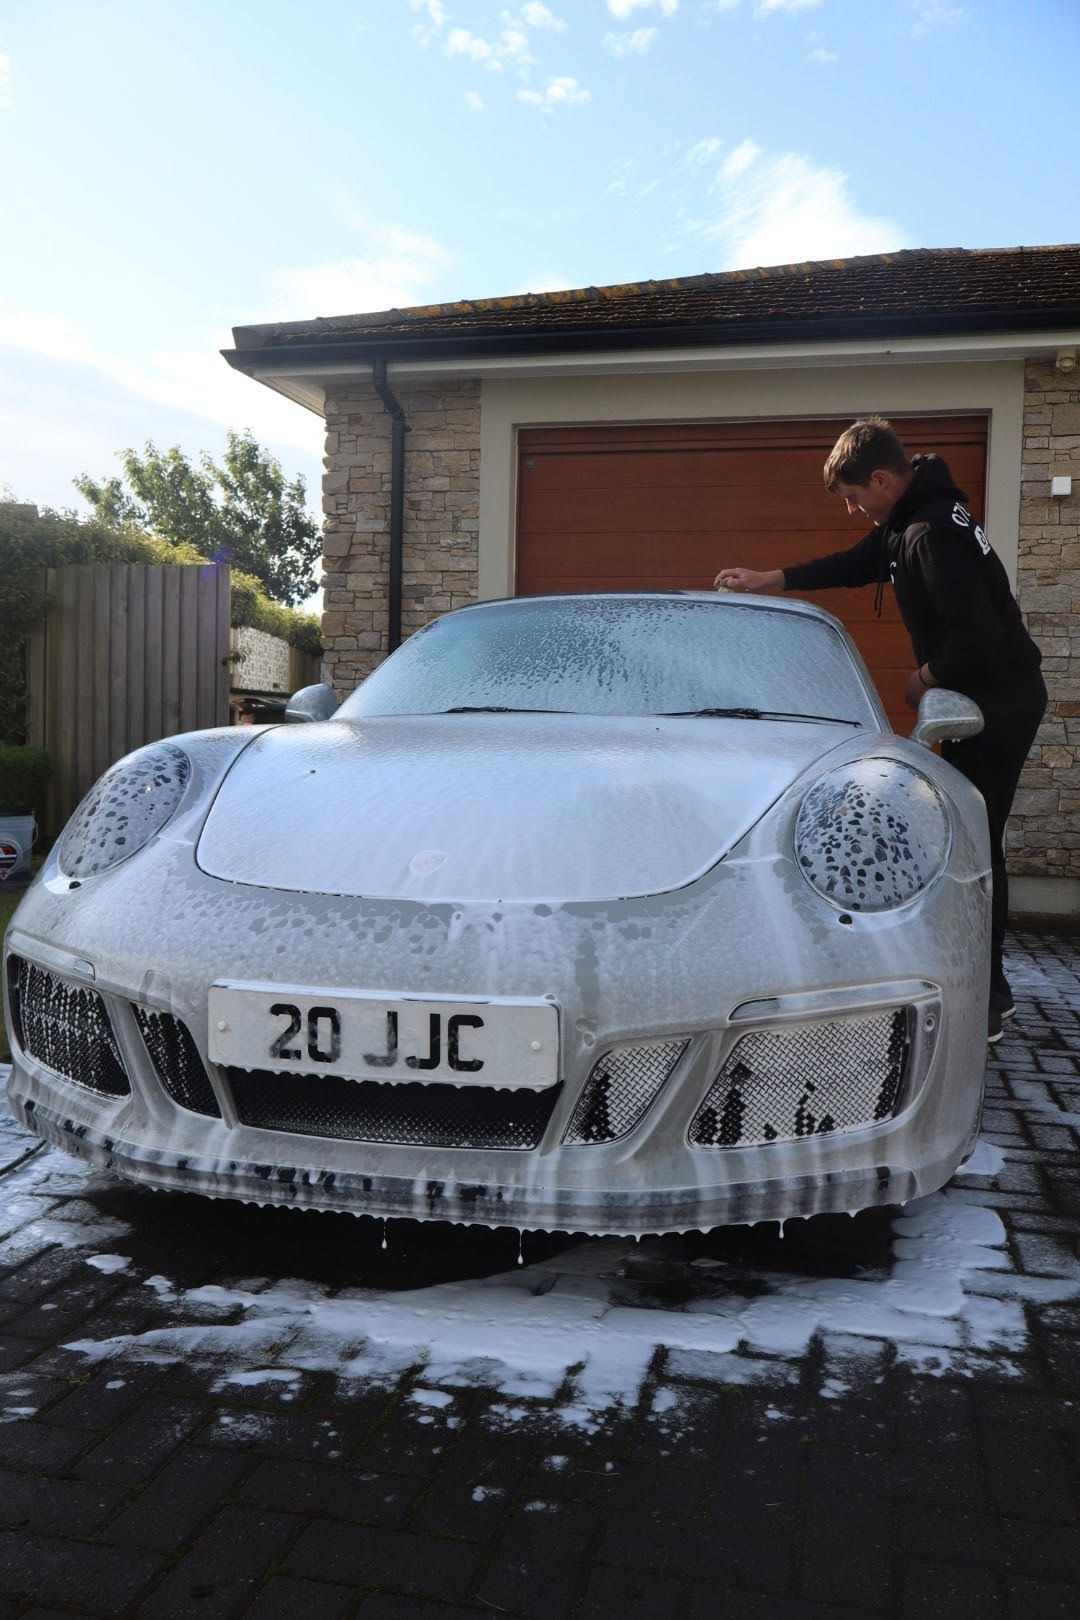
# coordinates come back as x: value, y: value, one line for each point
x: 442, y: 487
x: 265, y: 666
x: 1044, y: 834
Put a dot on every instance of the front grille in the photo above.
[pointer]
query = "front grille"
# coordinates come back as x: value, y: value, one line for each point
x: 408, y: 1115
x: 619, y: 1090
x: 782, y: 1084
x: 176, y: 1060
x: 66, y: 1027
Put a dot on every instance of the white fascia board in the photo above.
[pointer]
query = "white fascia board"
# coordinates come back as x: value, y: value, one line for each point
x: 308, y: 389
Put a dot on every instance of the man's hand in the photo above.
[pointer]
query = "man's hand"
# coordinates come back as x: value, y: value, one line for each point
x: 919, y: 681
x: 749, y: 579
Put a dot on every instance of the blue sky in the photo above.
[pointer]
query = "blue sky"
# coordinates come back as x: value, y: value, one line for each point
x: 172, y: 170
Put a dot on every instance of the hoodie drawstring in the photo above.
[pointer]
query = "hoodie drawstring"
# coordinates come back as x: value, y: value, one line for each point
x: 879, y: 594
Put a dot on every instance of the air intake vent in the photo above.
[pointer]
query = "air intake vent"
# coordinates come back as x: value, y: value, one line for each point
x: 176, y: 1060
x: 620, y: 1088
x: 410, y: 1115
x: 782, y: 1084
x: 66, y: 1027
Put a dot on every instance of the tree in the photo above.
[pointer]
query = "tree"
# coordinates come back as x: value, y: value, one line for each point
x: 239, y: 511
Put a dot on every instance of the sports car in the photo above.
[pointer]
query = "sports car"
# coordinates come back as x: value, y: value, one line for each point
x: 609, y: 913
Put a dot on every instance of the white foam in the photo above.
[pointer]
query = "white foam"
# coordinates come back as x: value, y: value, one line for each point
x: 986, y: 1160
x: 949, y: 1295
x: 254, y: 1376
x: 430, y: 1397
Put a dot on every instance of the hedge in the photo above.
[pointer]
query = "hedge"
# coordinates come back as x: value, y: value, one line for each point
x: 24, y: 777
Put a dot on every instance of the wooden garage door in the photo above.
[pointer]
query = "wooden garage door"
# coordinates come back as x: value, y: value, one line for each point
x: 664, y: 508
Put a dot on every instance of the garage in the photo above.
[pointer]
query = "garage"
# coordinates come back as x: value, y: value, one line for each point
x: 648, y: 433
x: 662, y: 507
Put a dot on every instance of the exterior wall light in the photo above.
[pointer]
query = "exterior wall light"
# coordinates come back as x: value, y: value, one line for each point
x: 1065, y: 360
x: 1061, y: 486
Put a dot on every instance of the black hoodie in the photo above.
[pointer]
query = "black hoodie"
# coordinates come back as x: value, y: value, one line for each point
x: 951, y: 587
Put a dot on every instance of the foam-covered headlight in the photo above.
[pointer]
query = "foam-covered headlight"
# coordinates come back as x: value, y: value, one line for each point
x: 124, y: 809
x: 872, y: 835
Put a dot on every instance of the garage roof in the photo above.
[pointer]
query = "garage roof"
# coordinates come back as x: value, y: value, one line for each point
x: 919, y: 291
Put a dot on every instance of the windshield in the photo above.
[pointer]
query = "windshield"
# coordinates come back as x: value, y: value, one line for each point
x: 618, y: 656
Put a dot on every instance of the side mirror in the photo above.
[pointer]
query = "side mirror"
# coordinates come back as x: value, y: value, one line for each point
x: 946, y: 716
x: 311, y: 703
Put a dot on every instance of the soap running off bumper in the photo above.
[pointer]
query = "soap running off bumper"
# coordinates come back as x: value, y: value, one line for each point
x: 790, y: 1105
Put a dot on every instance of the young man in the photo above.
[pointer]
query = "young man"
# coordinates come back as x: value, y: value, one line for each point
x: 964, y: 623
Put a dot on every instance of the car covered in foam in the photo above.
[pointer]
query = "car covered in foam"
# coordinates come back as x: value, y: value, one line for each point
x: 607, y: 913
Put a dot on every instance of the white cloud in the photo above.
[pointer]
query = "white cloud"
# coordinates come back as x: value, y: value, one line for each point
x: 460, y: 42
x: 559, y: 92
x: 512, y: 47
x: 436, y: 14
x: 537, y: 15
x: 778, y: 210
x: 739, y: 161
x: 702, y: 151
x: 621, y: 172
x: 936, y: 15
x: 622, y: 9
x: 433, y: 9
x: 635, y: 44
x: 6, y: 100
x: 765, y: 8
x: 722, y: 5
x: 819, y: 54
x: 475, y: 100
x: 94, y: 397
x: 397, y: 267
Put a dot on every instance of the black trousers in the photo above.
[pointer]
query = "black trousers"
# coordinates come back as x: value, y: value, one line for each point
x: 992, y: 762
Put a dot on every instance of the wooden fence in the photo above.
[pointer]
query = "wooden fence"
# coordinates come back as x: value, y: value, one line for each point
x: 125, y: 655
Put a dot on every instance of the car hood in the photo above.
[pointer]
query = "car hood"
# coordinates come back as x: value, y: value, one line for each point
x: 490, y: 807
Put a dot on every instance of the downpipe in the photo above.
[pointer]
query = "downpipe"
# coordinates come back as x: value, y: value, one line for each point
x: 398, y: 429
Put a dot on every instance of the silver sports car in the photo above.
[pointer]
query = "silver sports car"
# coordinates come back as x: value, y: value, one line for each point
x: 602, y: 913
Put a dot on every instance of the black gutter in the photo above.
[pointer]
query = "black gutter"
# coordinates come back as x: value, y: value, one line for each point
x: 369, y: 348
x: 398, y: 429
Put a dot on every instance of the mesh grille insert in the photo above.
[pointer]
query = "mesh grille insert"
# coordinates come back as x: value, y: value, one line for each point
x: 66, y: 1027
x: 781, y: 1084
x: 409, y: 1115
x: 176, y: 1059
x: 620, y: 1088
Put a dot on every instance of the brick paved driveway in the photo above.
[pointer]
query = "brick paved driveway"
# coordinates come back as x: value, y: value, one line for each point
x: 869, y: 1417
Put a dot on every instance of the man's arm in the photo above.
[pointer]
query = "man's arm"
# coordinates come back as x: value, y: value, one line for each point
x: 859, y: 565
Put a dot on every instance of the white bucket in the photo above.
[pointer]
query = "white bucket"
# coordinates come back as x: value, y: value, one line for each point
x: 17, y: 838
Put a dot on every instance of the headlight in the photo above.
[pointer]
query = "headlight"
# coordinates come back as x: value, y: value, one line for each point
x: 124, y: 809
x: 872, y: 835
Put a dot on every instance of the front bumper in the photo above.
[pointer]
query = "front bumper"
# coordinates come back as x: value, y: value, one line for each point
x: 748, y: 947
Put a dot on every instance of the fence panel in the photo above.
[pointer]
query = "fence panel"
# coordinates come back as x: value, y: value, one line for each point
x: 125, y: 655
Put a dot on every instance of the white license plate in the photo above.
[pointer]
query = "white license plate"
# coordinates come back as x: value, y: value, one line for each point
x: 372, y: 1035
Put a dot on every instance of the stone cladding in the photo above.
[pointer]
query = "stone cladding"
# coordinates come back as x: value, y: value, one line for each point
x: 1044, y: 832
x: 442, y: 487
x: 265, y: 667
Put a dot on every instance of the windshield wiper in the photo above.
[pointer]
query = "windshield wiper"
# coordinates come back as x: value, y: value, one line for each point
x: 753, y: 714
x: 495, y: 708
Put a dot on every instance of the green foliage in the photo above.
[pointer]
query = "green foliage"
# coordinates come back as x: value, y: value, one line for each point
x: 32, y: 541
x: 251, y: 606
x: 240, y: 510
x: 24, y: 777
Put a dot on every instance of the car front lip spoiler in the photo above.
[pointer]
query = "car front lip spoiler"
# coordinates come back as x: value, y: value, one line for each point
x: 464, y: 1203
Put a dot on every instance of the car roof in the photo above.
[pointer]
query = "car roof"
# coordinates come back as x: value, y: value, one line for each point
x: 741, y: 599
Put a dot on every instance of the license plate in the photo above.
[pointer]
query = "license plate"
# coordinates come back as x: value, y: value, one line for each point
x: 369, y: 1035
